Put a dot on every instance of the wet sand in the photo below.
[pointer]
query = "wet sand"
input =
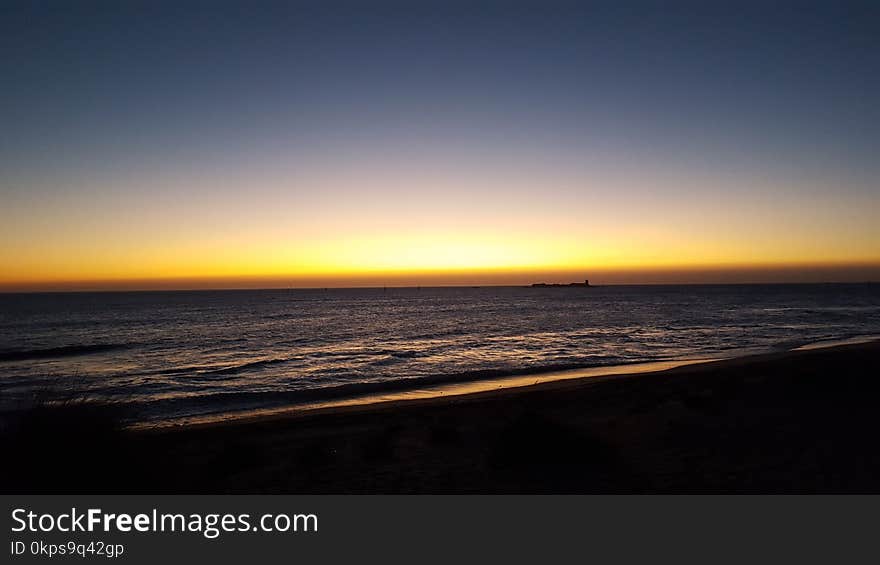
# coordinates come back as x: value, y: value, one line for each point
x: 800, y: 421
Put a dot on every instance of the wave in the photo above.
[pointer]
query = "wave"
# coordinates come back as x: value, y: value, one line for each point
x: 244, y: 367
x: 221, y: 402
x: 202, y: 373
x: 63, y: 351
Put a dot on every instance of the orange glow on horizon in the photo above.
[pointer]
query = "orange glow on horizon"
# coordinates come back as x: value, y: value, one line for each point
x: 421, y: 255
x: 341, y: 228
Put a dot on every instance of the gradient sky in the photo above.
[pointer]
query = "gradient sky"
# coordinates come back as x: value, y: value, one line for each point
x: 177, y: 145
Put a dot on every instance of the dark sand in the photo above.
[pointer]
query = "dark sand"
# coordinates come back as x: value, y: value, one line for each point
x: 802, y: 421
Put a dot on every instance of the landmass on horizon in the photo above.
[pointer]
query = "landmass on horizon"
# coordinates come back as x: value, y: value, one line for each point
x: 585, y: 284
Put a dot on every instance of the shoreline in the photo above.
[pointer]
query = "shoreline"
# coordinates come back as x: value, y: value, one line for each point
x: 553, y: 381
x: 456, y: 386
x: 400, y: 392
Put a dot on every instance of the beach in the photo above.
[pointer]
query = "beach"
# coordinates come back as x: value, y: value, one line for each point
x: 789, y: 422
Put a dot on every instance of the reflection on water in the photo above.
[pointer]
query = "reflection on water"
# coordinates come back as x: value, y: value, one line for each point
x: 187, y: 354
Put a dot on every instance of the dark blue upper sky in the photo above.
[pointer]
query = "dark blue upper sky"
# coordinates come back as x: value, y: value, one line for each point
x: 138, y: 79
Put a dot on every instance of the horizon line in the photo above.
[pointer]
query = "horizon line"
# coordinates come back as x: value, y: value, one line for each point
x: 430, y: 286
x: 677, y: 275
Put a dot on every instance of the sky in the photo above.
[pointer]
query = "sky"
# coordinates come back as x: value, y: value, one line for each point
x: 187, y: 145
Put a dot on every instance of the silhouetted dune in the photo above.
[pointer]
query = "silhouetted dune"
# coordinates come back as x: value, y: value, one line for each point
x: 65, y: 444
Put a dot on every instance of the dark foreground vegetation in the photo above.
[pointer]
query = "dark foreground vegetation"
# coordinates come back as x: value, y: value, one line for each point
x: 796, y: 422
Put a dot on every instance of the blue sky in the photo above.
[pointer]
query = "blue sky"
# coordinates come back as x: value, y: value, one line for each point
x: 438, y: 122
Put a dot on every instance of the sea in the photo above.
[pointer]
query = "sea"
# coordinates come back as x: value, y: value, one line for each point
x: 181, y: 355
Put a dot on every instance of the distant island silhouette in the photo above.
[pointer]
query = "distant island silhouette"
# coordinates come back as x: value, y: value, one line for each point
x: 584, y: 284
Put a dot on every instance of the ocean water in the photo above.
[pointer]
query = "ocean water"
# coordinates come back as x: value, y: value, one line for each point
x: 183, y: 354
